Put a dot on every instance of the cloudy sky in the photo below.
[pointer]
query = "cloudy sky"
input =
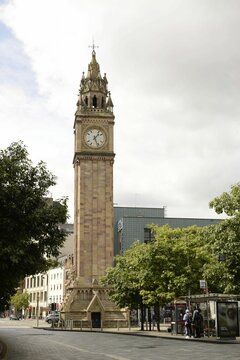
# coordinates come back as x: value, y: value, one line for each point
x: 173, y: 68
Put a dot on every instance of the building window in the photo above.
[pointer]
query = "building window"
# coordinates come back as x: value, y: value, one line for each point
x: 38, y: 280
x: 148, y: 235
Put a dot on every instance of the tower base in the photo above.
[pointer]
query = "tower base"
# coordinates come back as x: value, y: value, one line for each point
x: 92, y: 306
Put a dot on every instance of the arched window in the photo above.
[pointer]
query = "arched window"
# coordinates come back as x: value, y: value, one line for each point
x: 102, y: 102
x: 94, y: 101
x: 86, y: 100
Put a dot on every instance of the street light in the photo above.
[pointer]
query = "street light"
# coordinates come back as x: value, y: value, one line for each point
x: 37, y: 309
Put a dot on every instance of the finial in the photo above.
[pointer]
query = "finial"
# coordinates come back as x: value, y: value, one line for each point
x: 93, y: 46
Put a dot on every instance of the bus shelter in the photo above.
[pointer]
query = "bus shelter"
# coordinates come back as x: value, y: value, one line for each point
x: 220, y: 313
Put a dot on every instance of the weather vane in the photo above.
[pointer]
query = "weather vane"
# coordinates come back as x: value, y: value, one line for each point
x: 93, y: 46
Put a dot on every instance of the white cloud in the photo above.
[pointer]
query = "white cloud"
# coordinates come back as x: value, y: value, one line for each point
x: 173, y: 71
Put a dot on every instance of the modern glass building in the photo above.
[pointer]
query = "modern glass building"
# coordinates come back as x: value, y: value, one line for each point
x: 131, y: 224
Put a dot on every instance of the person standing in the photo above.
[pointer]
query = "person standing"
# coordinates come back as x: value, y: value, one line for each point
x: 197, y: 321
x: 188, y: 324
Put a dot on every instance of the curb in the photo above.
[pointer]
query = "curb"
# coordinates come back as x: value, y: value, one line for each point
x: 160, y: 335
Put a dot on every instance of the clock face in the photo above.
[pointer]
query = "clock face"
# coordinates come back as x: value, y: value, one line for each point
x: 95, y: 138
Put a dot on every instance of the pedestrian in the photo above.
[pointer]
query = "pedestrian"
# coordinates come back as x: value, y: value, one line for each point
x: 188, y: 324
x: 197, y: 321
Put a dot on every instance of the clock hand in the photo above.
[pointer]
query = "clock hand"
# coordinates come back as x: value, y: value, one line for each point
x: 94, y: 138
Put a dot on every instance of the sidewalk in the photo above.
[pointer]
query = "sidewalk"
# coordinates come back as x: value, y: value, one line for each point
x: 163, y: 333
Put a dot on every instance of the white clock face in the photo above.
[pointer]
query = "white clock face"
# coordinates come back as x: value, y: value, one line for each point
x: 95, y: 138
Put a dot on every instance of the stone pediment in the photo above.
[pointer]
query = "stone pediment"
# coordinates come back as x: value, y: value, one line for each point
x: 95, y: 304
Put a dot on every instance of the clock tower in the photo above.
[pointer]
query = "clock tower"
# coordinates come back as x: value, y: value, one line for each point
x: 93, y: 162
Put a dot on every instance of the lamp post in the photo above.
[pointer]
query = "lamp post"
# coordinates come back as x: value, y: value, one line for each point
x: 37, y: 309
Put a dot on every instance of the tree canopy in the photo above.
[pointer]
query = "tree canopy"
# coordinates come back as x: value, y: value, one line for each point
x: 224, y: 243
x: 20, y: 301
x: 29, y: 221
x: 158, y: 272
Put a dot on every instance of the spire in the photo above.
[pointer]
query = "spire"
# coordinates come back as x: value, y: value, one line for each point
x: 94, y: 92
x: 94, y: 68
x: 109, y: 104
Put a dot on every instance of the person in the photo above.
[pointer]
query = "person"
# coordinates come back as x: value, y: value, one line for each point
x: 187, y: 323
x: 197, y: 321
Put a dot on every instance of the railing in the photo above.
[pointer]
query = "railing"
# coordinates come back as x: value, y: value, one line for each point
x: 91, y: 325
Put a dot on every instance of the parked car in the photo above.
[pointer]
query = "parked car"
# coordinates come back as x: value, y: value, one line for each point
x: 13, y: 317
x: 52, y: 318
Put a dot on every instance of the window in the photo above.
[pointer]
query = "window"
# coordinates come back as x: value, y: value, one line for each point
x: 42, y: 278
x: 86, y: 100
x: 38, y: 280
x: 148, y: 235
x: 94, y: 101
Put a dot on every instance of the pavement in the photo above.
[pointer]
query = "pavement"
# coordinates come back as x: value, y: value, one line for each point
x: 163, y: 333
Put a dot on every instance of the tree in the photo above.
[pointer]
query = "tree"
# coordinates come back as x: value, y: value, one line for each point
x: 20, y: 301
x: 123, y: 278
x: 224, y: 243
x: 155, y: 273
x: 29, y: 222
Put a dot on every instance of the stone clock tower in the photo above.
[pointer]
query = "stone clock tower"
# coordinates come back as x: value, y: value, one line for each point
x: 93, y: 161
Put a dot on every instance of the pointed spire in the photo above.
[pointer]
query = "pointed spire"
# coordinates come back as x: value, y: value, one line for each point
x: 109, y: 104
x: 94, y: 68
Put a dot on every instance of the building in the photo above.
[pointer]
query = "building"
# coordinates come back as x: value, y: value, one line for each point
x: 93, y: 162
x: 55, y: 287
x: 131, y: 224
x: 37, y: 288
x: 47, y: 288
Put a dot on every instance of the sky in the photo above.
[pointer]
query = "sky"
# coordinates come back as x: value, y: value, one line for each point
x: 173, y: 69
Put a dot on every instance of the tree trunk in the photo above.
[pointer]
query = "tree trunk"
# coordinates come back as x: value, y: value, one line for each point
x: 157, y: 314
x: 142, y: 316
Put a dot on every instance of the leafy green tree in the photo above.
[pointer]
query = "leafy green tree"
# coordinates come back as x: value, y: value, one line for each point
x: 29, y: 223
x: 124, y: 277
x: 20, y: 301
x: 175, y: 265
x: 155, y: 273
x: 224, y: 243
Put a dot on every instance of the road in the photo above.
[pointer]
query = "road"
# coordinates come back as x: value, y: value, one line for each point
x: 25, y: 343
